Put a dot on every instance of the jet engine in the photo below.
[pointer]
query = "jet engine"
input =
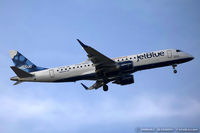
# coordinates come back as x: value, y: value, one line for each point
x: 121, y: 67
x: 125, y: 66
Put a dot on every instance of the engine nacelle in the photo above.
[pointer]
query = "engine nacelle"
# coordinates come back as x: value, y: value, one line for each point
x: 121, y: 67
x: 125, y: 80
x: 125, y: 66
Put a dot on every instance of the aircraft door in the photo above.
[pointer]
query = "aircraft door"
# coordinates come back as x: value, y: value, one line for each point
x: 51, y: 73
x: 169, y: 53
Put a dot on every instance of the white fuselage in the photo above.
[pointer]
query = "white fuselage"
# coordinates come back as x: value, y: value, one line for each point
x: 86, y: 70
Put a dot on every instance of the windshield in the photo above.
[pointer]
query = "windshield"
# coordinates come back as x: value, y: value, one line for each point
x: 178, y: 51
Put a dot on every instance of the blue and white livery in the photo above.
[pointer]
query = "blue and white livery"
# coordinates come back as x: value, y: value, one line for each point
x: 98, y: 67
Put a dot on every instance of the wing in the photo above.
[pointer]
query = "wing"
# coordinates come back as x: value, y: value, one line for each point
x: 100, y: 61
x: 102, y: 64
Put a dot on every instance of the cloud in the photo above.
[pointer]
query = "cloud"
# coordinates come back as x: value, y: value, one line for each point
x: 79, y: 113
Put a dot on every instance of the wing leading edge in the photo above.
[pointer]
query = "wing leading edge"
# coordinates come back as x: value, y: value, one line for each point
x: 101, y: 62
x: 98, y: 59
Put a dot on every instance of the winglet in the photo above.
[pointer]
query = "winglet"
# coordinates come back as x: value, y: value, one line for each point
x: 84, y: 86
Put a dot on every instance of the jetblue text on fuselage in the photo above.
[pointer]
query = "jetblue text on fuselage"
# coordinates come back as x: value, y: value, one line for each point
x: 150, y: 55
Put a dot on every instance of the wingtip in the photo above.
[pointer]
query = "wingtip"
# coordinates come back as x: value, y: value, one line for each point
x: 84, y: 86
x: 81, y: 43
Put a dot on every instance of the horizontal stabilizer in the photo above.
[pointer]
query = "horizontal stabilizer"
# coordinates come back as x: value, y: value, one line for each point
x: 20, y: 73
x: 18, y: 82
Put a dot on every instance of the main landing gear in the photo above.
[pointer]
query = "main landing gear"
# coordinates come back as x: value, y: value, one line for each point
x: 174, y: 67
x: 105, y: 87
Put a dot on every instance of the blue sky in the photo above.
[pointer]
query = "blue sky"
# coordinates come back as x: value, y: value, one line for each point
x: 46, y: 32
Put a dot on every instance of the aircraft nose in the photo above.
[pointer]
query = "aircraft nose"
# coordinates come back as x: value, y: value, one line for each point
x: 190, y: 57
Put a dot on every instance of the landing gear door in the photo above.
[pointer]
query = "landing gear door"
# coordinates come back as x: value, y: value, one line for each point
x: 51, y: 73
x: 169, y: 53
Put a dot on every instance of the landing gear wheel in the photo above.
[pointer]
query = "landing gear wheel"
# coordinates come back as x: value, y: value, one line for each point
x: 175, y: 71
x: 174, y: 67
x: 105, y: 88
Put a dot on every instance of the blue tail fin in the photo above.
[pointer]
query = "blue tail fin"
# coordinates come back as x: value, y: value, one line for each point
x: 23, y: 63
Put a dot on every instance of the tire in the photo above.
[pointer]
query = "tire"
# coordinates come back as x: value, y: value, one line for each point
x: 175, y: 71
x: 105, y: 88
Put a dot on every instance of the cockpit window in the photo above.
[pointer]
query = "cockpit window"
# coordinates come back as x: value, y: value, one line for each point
x: 178, y: 51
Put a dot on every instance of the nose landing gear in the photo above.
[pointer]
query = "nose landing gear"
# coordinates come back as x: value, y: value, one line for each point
x: 174, y: 67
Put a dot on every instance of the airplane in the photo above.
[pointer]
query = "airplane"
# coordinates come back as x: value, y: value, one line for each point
x: 97, y: 67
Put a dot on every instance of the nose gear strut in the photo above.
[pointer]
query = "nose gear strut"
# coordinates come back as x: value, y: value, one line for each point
x: 174, y: 67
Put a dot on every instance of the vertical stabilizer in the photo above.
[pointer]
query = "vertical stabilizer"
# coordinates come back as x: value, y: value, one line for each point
x: 23, y: 63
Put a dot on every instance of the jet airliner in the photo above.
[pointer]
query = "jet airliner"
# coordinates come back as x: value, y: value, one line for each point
x: 97, y: 67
